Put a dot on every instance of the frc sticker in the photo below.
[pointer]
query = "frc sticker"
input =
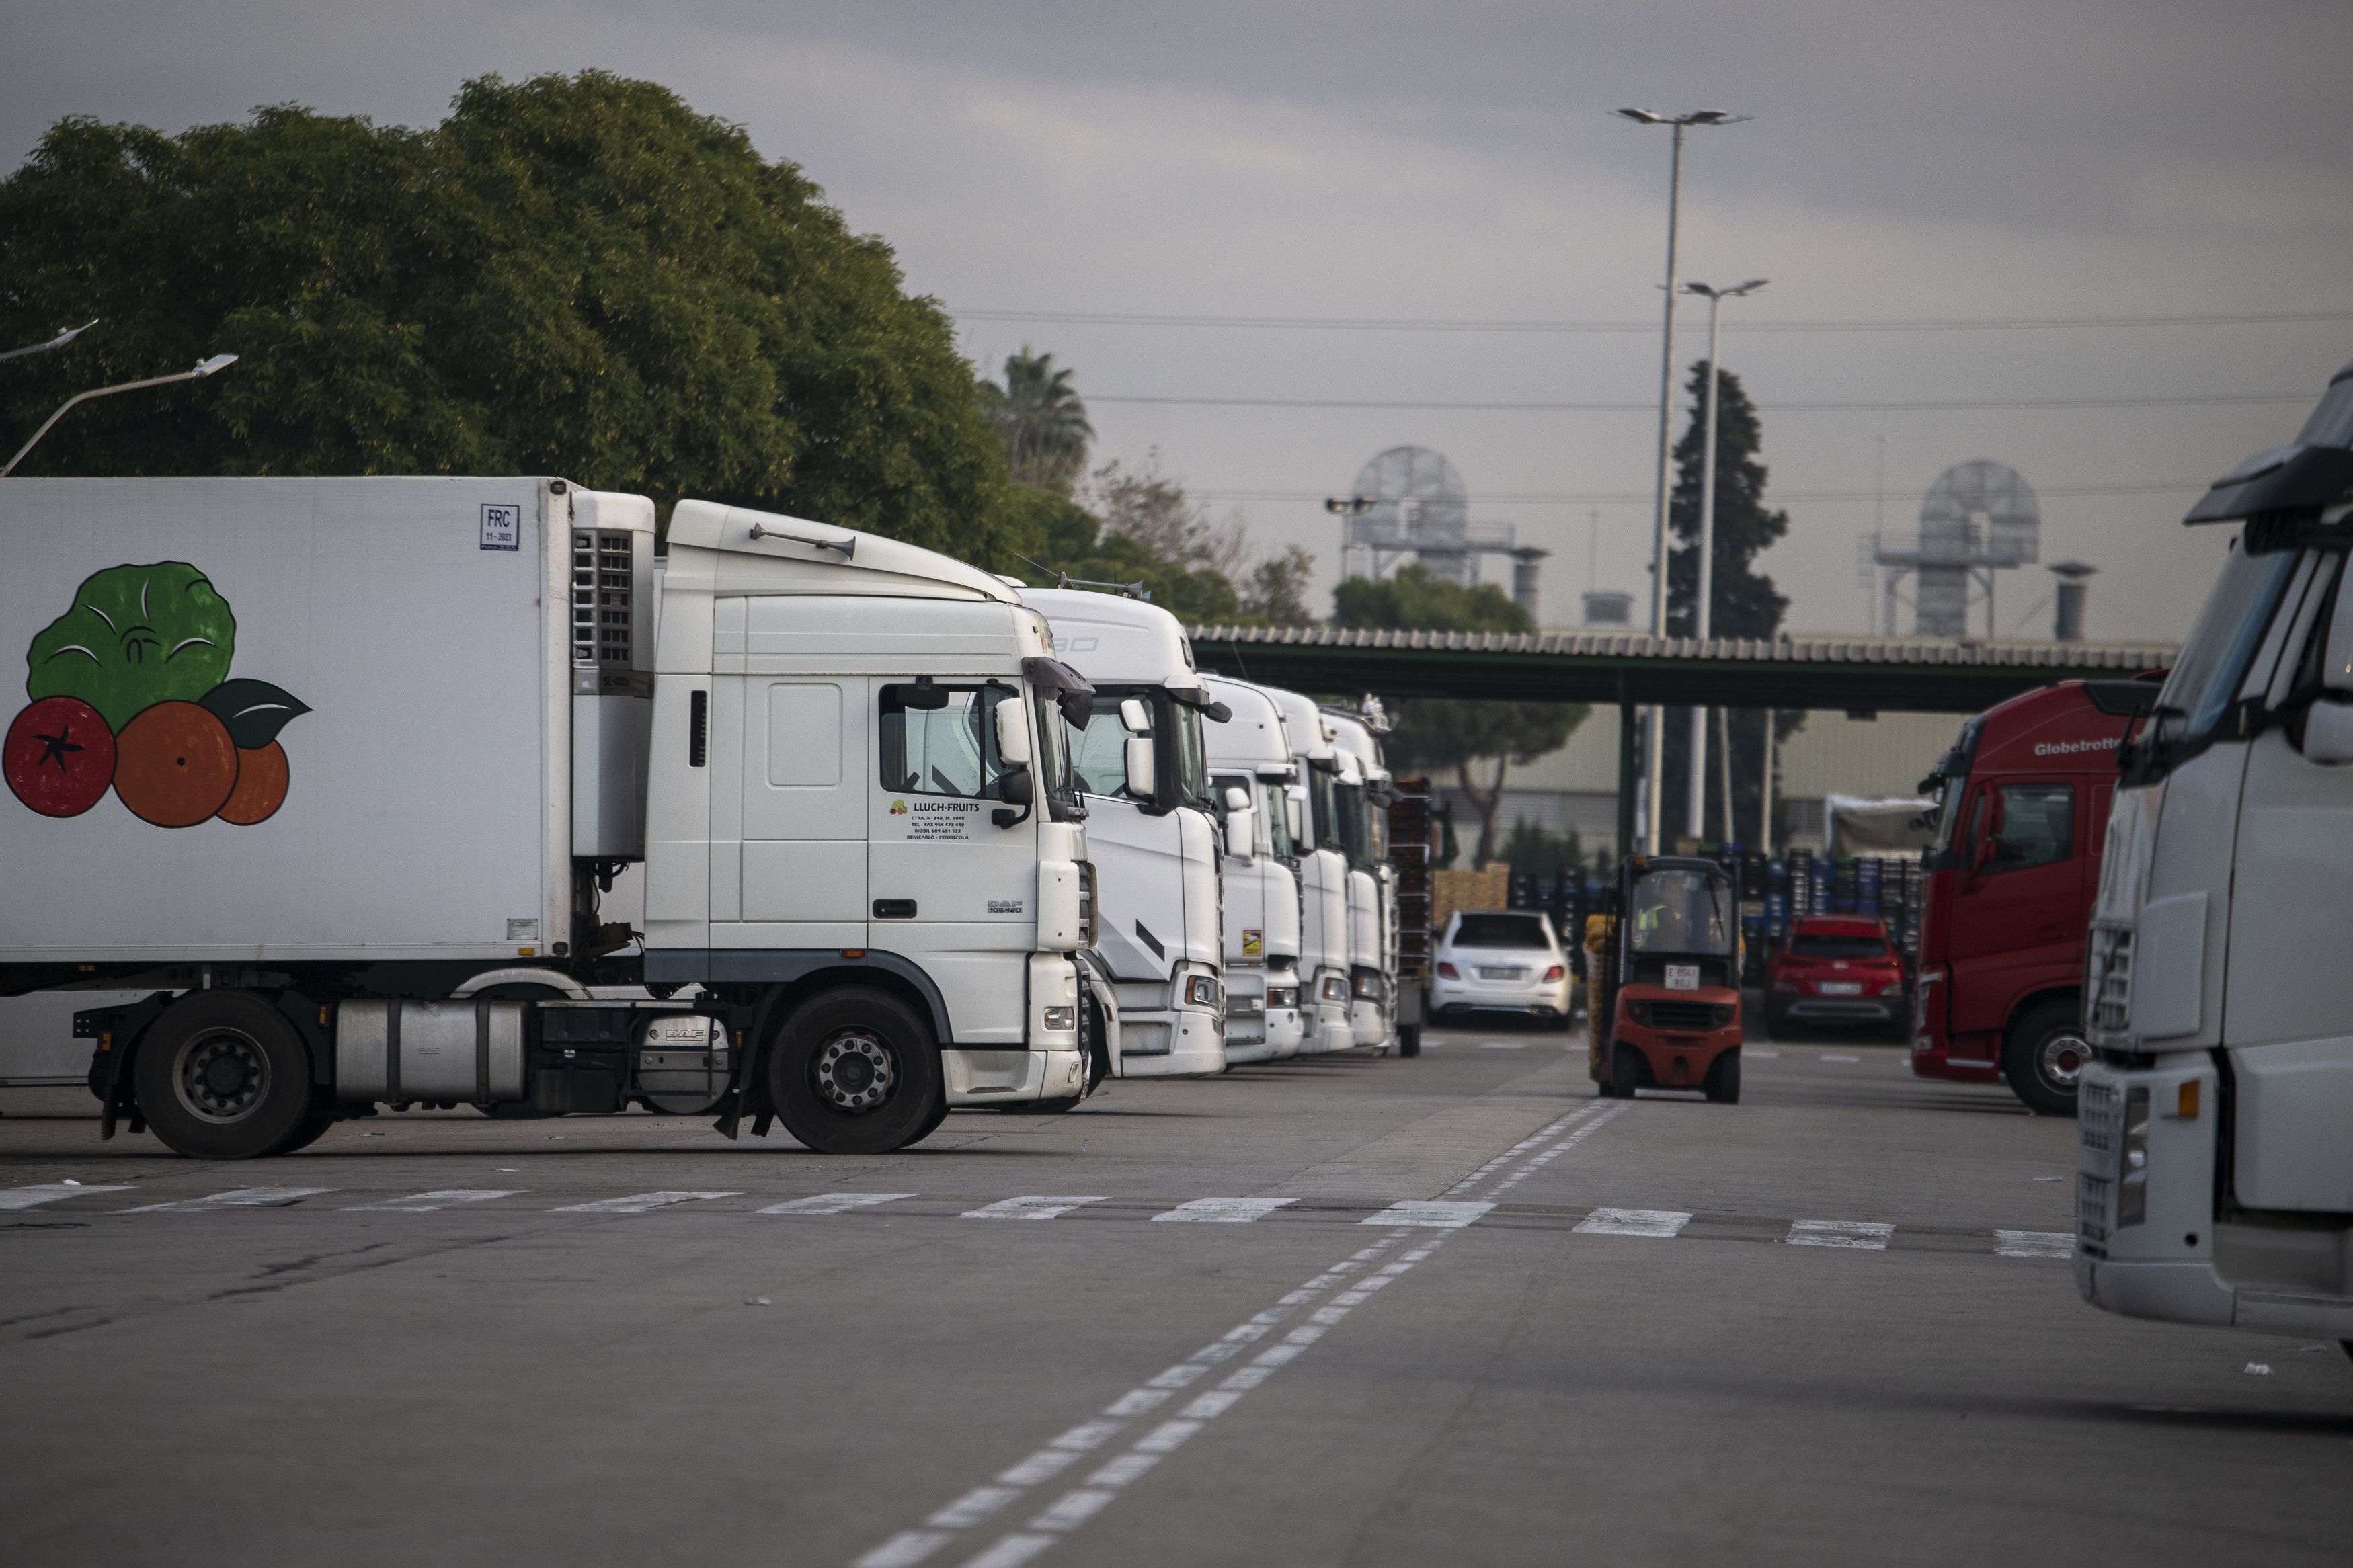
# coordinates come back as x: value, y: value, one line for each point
x: 501, y: 526
x: 523, y: 929
x: 1682, y: 976
x: 1253, y: 943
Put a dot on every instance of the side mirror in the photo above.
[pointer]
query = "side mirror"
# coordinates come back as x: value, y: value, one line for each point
x: 2328, y: 732
x: 1141, y: 773
x: 1241, y: 831
x: 1294, y: 816
x: 1135, y: 716
x: 1237, y: 798
x: 1012, y: 733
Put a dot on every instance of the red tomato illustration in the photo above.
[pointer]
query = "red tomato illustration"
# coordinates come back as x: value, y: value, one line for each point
x: 59, y: 756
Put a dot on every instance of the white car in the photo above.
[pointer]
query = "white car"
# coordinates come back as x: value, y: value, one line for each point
x: 1501, y: 961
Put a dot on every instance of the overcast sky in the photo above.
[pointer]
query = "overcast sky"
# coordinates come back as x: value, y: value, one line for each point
x: 1957, y: 160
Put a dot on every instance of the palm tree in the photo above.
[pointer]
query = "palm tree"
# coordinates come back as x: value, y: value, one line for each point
x: 1042, y: 419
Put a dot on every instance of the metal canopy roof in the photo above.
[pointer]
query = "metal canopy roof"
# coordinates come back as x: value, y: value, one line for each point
x: 1858, y: 674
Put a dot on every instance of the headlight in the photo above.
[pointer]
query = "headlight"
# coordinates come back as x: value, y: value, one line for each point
x: 1368, y: 985
x: 1201, y: 990
x: 1059, y: 1018
x: 1283, y: 997
x: 2132, y: 1191
x: 1639, y: 1011
x: 1334, y: 989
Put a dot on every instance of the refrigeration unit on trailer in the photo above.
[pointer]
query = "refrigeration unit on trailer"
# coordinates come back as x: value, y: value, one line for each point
x: 1143, y: 763
x: 335, y: 772
x: 1322, y: 877
x: 2215, y: 1169
x: 1362, y: 792
x: 1250, y: 772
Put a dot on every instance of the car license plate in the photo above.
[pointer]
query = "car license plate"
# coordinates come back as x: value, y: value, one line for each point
x: 1682, y: 976
x: 1841, y: 988
x: 1504, y: 973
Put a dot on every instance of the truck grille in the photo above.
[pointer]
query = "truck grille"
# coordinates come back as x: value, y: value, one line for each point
x: 2092, y: 1201
x: 2111, y: 979
x: 2099, y: 1118
x: 1688, y: 1014
x: 604, y: 569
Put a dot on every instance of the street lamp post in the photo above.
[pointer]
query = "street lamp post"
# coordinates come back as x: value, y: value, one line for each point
x: 1655, y: 739
x: 1706, y: 602
x: 60, y: 341
x: 204, y: 368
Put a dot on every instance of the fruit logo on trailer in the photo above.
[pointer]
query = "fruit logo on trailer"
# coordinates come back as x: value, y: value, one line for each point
x: 131, y: 692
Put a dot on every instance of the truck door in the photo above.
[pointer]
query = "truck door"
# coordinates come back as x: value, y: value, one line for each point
x: 803, y: 855
x: 2017, y: 921
x: 947, y: 888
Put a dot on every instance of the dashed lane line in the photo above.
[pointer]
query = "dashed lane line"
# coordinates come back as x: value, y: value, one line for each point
x: 1035, y: 1205
x: 235, y: 1198
x: 1869, y: 1235
x: 49, y: 1192
x: 639, y: 1202
x: 425, y: 1203
x: 1342, y: 1287
x: 1225, y: 1211
x: 834, y: 1202
x: 1633, y: 1222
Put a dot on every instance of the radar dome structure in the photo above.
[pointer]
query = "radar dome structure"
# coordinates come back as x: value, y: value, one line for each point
x: 1410, y: 501
x: 1980, y: 517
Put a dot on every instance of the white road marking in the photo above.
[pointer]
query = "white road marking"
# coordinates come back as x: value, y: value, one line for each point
x: 237, y: 1198
x: 1633, y: 1222
x: 1012, y: 1552
x: 49, y: 1192
x: 904, y: 1550
x: 1831, y: 1058
x: 2034, y: 1244
x: 973, y: 1507
x: 1503, y: 1044
x: 1033, y: 1206
x: 1752, y: 1051
x: 638, y: 1203
x: 1225, y: 1211
x: 1437, y: 1213
x: 425, y: 1203
x: 1870, y: 1235
x: 834, y: 1202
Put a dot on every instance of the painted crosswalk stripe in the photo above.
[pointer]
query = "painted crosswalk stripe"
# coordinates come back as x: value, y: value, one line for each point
x: 1633, y: 1222
x: 638, y: 1203
x: 49, y: 1192
x: 1831, y: 1058
x: 834, y: 1202
x: 1438, y: 1213
x: 1869, y: 1235
x: 425, y: 1203
x: 1503, y: 1044
x: 1035, y: 1205
x: 1753, y: 1051
x: 2034, y: 1244
x: 237, y: 1198
x: 1225, y: 1211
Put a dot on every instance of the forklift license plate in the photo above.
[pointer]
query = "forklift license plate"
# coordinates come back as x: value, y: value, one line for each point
x: 1682, y: 976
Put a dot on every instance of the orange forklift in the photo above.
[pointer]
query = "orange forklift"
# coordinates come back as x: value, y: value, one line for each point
x: 1663, y: 1008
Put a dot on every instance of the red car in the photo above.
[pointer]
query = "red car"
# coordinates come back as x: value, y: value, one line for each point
x: 1836, y: 971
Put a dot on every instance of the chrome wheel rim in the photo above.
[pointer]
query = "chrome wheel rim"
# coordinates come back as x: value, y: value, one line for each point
x: 222, y: 1075
x: 854, y: 1072
x: 2061, y: 1059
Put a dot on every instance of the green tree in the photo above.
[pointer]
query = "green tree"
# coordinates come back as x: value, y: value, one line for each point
x: 1742, y: 601
x: 1074, y: 541
x: 1275, y: 592
x: 1042, y: 420
x: 1441, y: 733
x: 570, y: 275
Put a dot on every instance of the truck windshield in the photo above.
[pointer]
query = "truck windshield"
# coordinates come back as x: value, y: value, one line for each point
x: 1321, y: 799
x: 1277, y: 819
x: 1682, y: 911
x: 1192, y: 756
x: 1349, y: 800
x: 2213, y: 663
x: 1056, y: 776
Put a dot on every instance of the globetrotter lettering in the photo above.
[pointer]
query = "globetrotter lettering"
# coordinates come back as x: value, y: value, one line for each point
x: 2067, y: 748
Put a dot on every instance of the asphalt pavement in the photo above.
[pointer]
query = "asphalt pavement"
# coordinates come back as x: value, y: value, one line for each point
x: 1452, y: 1310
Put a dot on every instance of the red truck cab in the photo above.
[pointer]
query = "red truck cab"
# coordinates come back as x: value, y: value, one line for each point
x: 2021, y: 813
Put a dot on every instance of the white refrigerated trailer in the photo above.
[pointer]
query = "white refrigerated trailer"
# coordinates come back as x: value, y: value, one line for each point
x: 2216, y: 1165
x: 334, y: 771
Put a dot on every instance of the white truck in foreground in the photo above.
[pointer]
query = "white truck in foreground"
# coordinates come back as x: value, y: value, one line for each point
x: 1250, y: 772
x: 336, y: 771
x: 1142, y: 762
x: 1323, y: 877
x: 2216, y: 1166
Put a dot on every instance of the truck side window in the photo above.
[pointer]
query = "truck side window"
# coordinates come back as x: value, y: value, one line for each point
x: 1098, y: 752
x: 950, y: 749
x: 2038, y: 825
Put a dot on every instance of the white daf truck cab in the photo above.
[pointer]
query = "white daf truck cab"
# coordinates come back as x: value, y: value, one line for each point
x: 1250, y: 772
x: 1142, y: 762
x: 1363, y: 794
x: 336, y: 772
x: 2216, y: 1167
x: 1324, y: 953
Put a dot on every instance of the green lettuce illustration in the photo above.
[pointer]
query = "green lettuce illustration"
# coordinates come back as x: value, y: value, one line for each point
x: 135, y: 637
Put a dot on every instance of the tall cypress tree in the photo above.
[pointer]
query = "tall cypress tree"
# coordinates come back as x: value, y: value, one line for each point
x: 1742, y: 600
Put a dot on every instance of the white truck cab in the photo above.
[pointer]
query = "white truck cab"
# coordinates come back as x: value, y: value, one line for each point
x: 1363, y: 794
x: 1142, y: 762
x: 2216, y: 1165
x: 1323, y: 952
x: 1250, y: 772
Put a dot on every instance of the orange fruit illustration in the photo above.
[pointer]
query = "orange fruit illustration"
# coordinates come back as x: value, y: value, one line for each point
x: 262, y: 779
x: 174, y: 764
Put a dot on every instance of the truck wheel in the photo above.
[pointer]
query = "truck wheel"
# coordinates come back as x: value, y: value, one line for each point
x: 224, y: 1076
x: 2045, y: 1057
x: 855, y: 1072
x: 1625, y: 1072
x: 1722, y: 1084
x: 1409, y: 1040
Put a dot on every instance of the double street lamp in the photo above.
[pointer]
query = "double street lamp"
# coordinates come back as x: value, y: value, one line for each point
x: 1655, y: 747
x: 1705, y: 601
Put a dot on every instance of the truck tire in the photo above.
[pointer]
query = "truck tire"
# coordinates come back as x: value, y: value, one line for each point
x: 2045, y: 1056
x: 1723, y: 1085
x: 1625, y: 1072
x: 223, y: 1075
x: 1409, y: 1039
x: 856, y: 1072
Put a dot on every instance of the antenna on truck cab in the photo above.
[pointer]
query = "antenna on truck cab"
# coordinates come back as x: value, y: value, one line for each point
x: 848, y: 547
